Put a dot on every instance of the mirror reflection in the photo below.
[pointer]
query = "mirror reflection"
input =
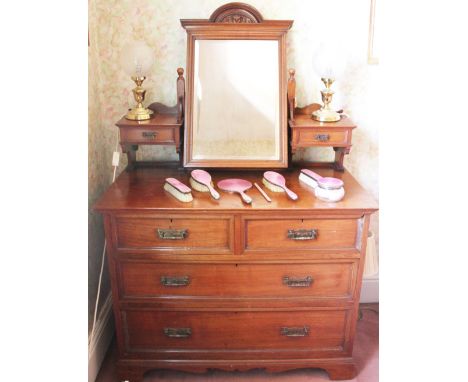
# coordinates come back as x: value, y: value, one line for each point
x: 236, y: 102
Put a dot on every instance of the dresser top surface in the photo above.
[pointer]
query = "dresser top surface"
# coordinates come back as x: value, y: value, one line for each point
x: 305, y: 120
x: 142, y: 190
x: 157, y: 120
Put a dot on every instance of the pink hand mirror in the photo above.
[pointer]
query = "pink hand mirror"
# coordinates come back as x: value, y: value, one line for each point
x: 236, y: 185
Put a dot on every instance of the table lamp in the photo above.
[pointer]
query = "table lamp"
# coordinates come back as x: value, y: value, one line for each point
x: 328, y: 64
x: 136, y: 59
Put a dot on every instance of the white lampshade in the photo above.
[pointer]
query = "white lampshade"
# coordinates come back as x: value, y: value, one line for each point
x: 137, y: 59
x: 329, y: 61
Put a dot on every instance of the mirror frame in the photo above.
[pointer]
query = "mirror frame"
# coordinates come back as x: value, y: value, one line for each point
x: 236, y: 21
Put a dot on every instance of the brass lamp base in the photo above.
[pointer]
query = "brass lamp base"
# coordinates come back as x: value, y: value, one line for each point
x: 324, y: 115
x: 139, y: 114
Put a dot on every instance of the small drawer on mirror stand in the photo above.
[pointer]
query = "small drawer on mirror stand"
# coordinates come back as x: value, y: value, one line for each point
x: 136, y: 135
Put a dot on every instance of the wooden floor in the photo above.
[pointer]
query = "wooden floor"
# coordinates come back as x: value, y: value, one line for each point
x: 366, y: 354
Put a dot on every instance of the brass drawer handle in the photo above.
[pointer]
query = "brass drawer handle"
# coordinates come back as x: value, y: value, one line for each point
x: 302, y: 234
x: 172, y: 234
x: 178, y: 332
x: 322, y: 137
x: 297, y: 282
x: 175, y: 281
x: 149, y: 134
x: 295, y: 331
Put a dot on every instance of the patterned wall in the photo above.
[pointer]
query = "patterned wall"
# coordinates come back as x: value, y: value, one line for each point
x: 114, y: 23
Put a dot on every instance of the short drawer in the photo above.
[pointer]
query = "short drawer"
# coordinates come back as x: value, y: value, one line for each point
x: 151, y: 136
x: 299, y: 234
x: 318, y: 137
x: 184, y: 235
x: 322, y: 280
x: 253, y: 330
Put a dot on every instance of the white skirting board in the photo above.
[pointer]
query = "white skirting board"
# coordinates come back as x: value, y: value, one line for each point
x: 370, y: 289
x: 104, y: 332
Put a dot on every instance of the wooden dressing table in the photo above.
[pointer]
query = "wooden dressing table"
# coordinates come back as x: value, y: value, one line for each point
x: 225, y: 285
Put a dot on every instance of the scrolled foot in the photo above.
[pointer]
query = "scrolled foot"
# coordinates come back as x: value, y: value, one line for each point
x: 341, y: 372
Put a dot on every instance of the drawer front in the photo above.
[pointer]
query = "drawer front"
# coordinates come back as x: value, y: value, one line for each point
x: 259, y: 330
x: 299, y: 234
x: 143, y: 136
x: 175, y: 234
x: 322, y: 138
x: 330, y: 279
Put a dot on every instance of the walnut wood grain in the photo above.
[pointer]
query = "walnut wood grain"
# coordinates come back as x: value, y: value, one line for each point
x: 164, y: 128
x: 271, y: 233
x: 236, y: 21
x: 329, y: 279
x: 306, y: 132
x: 342, y: 368
x: 180, y: 95
x: 291, y: 93
x: 234, y: 280
x: 203, y: 234
x: 214, y: 333
x: 226, y: 285
x: 236, y: 13
x: 143, y: 190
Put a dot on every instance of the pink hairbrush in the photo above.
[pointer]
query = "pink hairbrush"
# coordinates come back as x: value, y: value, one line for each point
x: 276, y: 183
x: 200, y: 180
x: 178, y: 190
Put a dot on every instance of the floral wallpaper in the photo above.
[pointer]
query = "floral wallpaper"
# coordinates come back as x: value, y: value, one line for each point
x: 114, y: 23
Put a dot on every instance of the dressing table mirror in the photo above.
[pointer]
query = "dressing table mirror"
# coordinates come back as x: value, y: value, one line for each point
x: 236, y: 110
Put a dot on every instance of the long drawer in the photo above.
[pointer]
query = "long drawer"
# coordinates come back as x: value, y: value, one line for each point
x: 313, y: 330
x: 320, y: 279
x: 181, y: 234
x: 299, y: 234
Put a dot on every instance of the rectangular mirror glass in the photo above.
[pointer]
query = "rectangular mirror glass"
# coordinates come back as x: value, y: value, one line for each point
x: 236, y: 102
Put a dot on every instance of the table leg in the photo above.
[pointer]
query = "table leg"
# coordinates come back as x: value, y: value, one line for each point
x: 130, y: 150
x: 340, y: 152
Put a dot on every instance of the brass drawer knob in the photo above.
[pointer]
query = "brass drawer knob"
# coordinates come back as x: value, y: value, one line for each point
x: 296, y: 282
x: 172, y: 234
x: 322, y: 137
x: 174, y: 281
x: 301, y: 331
x: 149, y: 134
x: 302, y: 234
x: 178, y: 332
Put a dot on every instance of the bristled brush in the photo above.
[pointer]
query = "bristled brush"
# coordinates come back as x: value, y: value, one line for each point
x: 200, y: 180
x: 178, y: 190
x: 275, y: 182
